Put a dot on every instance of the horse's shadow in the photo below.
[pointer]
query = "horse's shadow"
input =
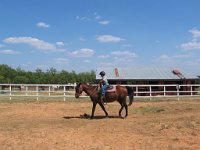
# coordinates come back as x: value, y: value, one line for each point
x: 86, y: 116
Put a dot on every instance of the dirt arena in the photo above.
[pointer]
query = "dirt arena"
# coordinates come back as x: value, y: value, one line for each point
x: 58, y: 125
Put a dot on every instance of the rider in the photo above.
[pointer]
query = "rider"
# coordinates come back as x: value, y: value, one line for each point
x: 104, y: 86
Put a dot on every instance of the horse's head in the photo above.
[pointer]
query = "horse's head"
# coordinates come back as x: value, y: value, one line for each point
x: 78, y: 90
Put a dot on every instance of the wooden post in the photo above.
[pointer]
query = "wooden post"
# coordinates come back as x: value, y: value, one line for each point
x: 37, y: 92
x: 10, y: 89
x: 64, y: 92
x: 49, y: 91
x: 177, y: 90
x: 150, y: 93
x: 26, y: 90
x: 164, y: 90
x: 136, y: 90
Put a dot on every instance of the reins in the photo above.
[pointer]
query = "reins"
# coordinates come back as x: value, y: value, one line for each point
x: 89, y: 90
x: 95, y: 89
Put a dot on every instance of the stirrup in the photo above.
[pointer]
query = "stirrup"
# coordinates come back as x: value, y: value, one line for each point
x: 103, y: 99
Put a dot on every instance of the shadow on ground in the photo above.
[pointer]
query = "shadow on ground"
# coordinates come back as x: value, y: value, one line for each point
x: 87, y: 116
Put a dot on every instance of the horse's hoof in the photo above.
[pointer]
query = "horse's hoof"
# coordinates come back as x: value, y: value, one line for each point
x: 123, y: 117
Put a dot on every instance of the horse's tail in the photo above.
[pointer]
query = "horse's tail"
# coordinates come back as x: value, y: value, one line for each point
x: 130, y: 94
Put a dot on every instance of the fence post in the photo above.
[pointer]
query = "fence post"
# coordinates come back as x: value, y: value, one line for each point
x: 10, y: 89
x: 150, y: 94
x: 136, y: 90
x: 37, y: 92
x: 191, y: 90
x: 177, y: 90
x: 64, y: 92
x: 164, y: 90
x: 26, y: 90
x: 49, y: 91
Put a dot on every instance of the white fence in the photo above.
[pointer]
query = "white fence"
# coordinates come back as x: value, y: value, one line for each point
x: 67, y: 90
x: 37, y: 90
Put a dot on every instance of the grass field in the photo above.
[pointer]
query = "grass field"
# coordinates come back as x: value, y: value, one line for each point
x: 54, y: 124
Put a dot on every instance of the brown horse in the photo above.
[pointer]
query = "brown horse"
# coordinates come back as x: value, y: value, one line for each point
x: 119, y: 95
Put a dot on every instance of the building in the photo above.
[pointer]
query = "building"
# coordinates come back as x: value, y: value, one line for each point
x: 149, y: 76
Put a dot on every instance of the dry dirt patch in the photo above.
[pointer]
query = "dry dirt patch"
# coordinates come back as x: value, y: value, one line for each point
x: 61, y: 125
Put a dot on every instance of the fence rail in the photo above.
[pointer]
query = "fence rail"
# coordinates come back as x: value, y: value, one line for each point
x: 67, y: 90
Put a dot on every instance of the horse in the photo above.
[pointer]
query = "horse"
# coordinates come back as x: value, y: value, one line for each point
x: 119, y: 95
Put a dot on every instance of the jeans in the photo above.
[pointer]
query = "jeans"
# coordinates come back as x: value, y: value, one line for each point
x: 104, y: 88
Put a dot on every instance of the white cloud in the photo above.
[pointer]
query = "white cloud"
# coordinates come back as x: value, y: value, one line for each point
x: 175, y: 58
x: 109, y: 38
x: 60, y: 61
x: 194, y: 44
x: 104, y: 56
x: 86, y: 61
x: 104, y: 22
x: 164, y: 56
x: 123, y: 54
x: 84, y: 52
x: 126, y: 45
x: 105, y: 64
x: 83, y: 18
x: 98, y: 17
x: 191, y: 45
x: 82, y: 39
x: 182, y: 56
x: 42, y: 25
x: 195, y: 32
x: 60, y: 43
x: 9, y: 52
x: 37, y: 43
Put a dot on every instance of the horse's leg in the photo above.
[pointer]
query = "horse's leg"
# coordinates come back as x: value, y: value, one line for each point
x: 126, y: 107
x: 93, y: 109
x: 100, y: 103
x: 121, y: 111
x: 123, y: 104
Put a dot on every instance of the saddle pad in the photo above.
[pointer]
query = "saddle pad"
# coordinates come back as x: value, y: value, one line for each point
x: 111, y: 89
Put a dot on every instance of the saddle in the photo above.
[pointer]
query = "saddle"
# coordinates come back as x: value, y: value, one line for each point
x: 111, y: 88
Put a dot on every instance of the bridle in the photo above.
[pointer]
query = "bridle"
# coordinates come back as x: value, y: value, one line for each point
x: 79, y: 90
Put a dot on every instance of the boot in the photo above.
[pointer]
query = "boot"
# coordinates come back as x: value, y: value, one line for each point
x: 103, y: 100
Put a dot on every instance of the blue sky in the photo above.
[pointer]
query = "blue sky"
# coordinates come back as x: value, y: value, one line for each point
x: 83, y: 35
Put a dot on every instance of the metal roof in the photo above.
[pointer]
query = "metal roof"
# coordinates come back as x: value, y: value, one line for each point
x: 143, y: 74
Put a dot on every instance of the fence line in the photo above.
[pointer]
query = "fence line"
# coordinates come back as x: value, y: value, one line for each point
x: 67, y: 90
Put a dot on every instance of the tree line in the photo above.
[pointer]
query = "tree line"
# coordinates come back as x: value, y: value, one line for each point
x: 51, y: 76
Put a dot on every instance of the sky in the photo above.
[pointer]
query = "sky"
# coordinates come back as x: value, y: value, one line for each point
x: 83, y: 35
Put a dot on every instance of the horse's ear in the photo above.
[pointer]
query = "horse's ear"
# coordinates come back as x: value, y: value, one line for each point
x: 77, y: 84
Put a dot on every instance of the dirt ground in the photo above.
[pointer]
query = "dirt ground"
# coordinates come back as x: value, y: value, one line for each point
x: 50, y: 125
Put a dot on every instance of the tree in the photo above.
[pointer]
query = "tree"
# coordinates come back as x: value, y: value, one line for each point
x: 8, y: 73
x: 51, y: 76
